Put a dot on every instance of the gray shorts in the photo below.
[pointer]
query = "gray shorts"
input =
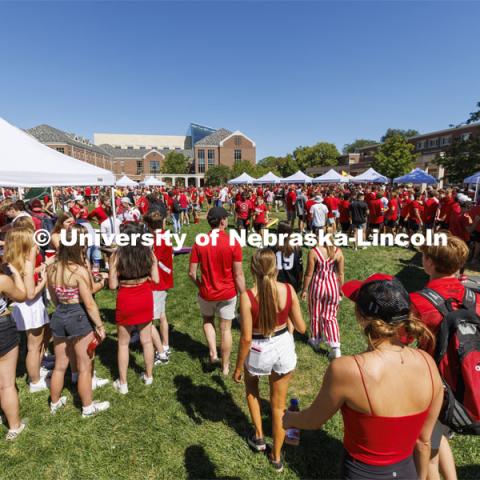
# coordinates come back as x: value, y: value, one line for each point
x: 70, y: 320
x: 439, y: 430
x: 159, y: 302
x: 225, y: 309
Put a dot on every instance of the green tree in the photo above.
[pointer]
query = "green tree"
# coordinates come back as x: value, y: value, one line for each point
x: 357, y: 144
x: 394, y: 157
x: 319, y: 155
x: 217, y: 175
x: 269, y: 164
x: 398, y: 131
x: 175, y: 162
x: 244, y: 166
x: 474, y: 116
x: 461, y: 159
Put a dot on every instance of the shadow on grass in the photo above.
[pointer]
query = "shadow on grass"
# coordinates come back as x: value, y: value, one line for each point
x: 412, y: 275
x: 469, y: 472
x: 198, y: 400
x: 199, y: 465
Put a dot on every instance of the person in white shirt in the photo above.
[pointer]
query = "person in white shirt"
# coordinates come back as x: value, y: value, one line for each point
x: 319, y: 212
x: 129, y: 213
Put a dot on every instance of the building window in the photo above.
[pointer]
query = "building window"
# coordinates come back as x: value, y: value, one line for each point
x: 237, y: 156
x: 433, y: 142
x: 139, y: 167
x: 446, y: 140
x: 421, y: 145
x: 201, y: 165
x: 465, y: 136
x: 61, y: 150
x: 130, y: 147
x: 122, y: 166
x: 201, y: 155
x: 155, y: 166
x: 238, y: 140
x: 211, y: 157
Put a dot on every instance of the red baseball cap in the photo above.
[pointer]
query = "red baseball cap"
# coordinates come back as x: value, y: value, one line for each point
x: 350, y: 289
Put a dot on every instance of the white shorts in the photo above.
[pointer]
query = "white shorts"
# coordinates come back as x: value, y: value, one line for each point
x: 159, y: 301
x: 30, y: 314
x: 275, y: 354
x: 225, y: 309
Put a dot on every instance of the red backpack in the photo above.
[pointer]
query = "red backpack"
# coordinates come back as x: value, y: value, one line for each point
x: 457, y: 355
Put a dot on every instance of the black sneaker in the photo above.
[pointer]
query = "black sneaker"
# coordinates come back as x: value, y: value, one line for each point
x: 277, y: 466
x: 257, y: 444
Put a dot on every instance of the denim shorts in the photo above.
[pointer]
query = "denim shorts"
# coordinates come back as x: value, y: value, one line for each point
x: 70, y: 320
x: 9, y: 337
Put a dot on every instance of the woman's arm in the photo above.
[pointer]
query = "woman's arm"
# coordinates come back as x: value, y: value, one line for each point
x: 341, y: 268
x: 154, y: 274
x: 330, y: 398
x: 423, y: 446
x: 295, y: 314
x: 245, y: 337
x: 13, y: 287
x: 112, y: 272
x: 308, y: 273
x: 88, y: 301
x: 28, y: 277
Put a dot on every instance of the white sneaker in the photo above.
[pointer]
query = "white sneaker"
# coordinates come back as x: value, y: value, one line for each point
x: 54, y: 407
x: 13, y: 434
x: 98, y: 382
x: 40, y: 386
x: 94, y: 408
x: 335, y: 353
x: 146, y: 380
x: 161, y: 359
x: 120, y: 387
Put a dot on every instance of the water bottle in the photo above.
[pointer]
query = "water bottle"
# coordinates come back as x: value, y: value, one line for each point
x: 292, y: 436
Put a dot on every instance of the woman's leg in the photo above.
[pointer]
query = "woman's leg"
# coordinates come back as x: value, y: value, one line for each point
x: 8, y: 390
x: 61, y: 365
x: 164, y: 330
x: 84, y: 366
x: 123, y: 334
x: 34, y: 353
x: 253, y: 400
x: 147, y: 345
x: 446, y: 460
x: 156, y: 340
x: 278, y: 401
x: 73, y: 361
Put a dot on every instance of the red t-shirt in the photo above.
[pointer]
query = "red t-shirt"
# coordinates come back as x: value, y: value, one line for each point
x: 375, y: 211
x: 344, y: 209
x: 291, y: 199
x: 88, y: 191
x: 79, y: 212
x: 392, y: 212
x: 475, y: 212
x: 98, y: 213
x: 164, y: 254
x: 183, y: 201
x: 216, y: 265
x: 445, y: 206
x: 458, y: 222
x: 142, y: 205
x: 415, y: 205
x: 243, y: 209
x: 430, y: 210
x: 405, y: 207
x: 260, y: 213
x: 332, y: 204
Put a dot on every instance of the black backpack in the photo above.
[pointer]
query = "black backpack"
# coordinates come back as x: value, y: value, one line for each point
x: 176, y: 207
x: 461, y: 325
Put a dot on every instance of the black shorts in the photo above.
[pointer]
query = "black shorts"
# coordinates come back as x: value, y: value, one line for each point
x: 475, y: 237
x: 429, y: 226
x: 401, y: 222
x: 242, y: 223
x: 413, y: 226
x: 258, y: 226
x: 375, y: 226
x: 356, y: 470
x: 443, y: 225
x: 70, y: 320
x: 390, y: 223
x: 9, y: 337
x: 301, y: 217
x: 345, y: 226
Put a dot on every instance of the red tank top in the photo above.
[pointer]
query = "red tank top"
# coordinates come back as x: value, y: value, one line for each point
x: 282, y: 315
x: 377, y: 440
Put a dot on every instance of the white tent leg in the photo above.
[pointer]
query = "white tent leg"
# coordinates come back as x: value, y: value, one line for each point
x: 114, y: 210
x: 52, y: 194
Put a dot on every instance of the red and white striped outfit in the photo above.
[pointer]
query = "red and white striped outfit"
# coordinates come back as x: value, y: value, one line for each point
x: 323, y: 300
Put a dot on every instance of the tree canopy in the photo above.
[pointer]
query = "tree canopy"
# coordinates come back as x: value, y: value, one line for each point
x: 319, y: 155
x: 394, y: 157
x: 175, y: 162
x: 358, y: 143
x: 217, y: 175
x: 461, y: 159
x: 398, y: 131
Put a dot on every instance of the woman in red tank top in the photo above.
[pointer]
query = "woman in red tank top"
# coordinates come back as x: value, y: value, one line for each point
x: 267, y: 347
x: 389, y: 397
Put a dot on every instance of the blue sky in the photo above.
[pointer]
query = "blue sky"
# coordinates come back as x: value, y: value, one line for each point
x: 284, y: 73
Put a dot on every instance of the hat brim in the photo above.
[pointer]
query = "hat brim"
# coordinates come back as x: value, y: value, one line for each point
x: 350, y: 289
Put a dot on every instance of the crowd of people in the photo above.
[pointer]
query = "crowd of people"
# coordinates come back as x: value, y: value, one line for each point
x: 390, y: 396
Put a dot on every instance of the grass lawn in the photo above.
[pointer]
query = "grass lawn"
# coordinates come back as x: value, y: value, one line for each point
x: 191, y: 423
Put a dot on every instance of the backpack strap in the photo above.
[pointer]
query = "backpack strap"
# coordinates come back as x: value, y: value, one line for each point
x: 470, y: 300
x: 435, y: 299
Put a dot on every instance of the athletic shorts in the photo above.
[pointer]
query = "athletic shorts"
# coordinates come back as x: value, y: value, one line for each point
x: 353, y: 469
x: 429, y: 226
x: 225, y: 309
x: 413, y: 226
x: 258, y: 226
x: 390, y: 223
x: 443, y: 225
x: 439, y: 430
x: 375, y: 226
x: 336, y: 213
x: 475, y: 237
x: 345, y: 226
x: 70, y: 320
x: 272, y: 354
x: 358, y: 226
x: 331, y: 220
x: 9, y: 337
x: 301, y: 216
x: 159, y: 302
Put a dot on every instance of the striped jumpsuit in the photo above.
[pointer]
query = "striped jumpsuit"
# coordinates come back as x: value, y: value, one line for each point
x: 324, y: 297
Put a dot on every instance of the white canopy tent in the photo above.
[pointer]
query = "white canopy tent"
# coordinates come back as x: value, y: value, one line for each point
x: 331, y: 176
x: 126, y: 182
x: 370, y: 176
x: 242, y: 179
x: 268, y: 178
x: 297, y: 177
x: 25, y: 162
x: 153, y: 182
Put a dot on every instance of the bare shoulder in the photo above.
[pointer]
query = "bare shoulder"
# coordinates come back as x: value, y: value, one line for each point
x: 343, y: 368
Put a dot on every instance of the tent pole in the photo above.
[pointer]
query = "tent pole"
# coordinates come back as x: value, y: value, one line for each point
x: 114, y: 210
x: 52, y: 194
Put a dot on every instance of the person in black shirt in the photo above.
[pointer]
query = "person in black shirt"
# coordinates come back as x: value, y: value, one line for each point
x: 358, y: 216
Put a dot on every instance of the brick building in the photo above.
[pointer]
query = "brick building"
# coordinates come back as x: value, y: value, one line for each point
x: 72, y: 145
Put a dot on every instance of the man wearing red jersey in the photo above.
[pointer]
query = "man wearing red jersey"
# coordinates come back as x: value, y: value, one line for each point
x: 99, y: 213
x: 431, y: 210
x: 375, y: 213
x: 415, y: 210
x: 290, y: 201
x: 391, y: 215
x: 344, y: 209
x: 79, y: 210
x: 242, y: 210
x: 446, y: 202
x: 459, y: 221
x: 222, y: 278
